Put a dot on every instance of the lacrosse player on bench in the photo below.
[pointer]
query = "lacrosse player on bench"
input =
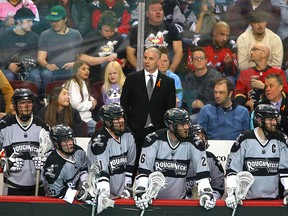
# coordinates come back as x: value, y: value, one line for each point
x: 170, y: 151
x: 264, y: 153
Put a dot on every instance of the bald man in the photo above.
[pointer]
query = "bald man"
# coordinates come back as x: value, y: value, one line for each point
x: 250, y: 84
x: 220, y: 50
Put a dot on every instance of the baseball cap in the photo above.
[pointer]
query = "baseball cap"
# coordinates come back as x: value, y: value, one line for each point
x: 56, y: 13
x: 24, y: 13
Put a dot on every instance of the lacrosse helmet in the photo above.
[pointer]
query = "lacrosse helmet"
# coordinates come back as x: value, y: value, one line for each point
x: 110, y: 112
x: 59, y: 133
x: 264, y: 111
x: 198, y: 130
x: 19, y: 95
x: 175, y: 116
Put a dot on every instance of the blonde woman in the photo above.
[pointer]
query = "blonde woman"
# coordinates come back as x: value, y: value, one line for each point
x: 113, y: 82
x: 80, y: 96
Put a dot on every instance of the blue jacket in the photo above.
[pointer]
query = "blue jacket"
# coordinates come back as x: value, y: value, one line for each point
x: 223, y: 124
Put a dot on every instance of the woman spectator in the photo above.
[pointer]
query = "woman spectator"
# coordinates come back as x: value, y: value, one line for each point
x: 60, y: 111
x: 79, y: 90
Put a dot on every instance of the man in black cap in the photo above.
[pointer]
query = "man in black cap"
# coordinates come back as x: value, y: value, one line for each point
x: 20, y: 44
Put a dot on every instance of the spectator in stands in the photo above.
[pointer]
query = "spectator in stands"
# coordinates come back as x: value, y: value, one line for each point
x: 8, y: 9
x: 237, y: 15
x: 113, y: 146
x: 66, y: 169
x: 262, y: 152
x: 206, y: 19
x: 78, y: 15
x: 58, y: 47
x: 164, y: 151
x: 158, y: 33
x: 173, y: 13
x: 250, y: 84
x: 6, y: 92
x: 224, y: 119
x: 60, y: 111
x: 119, y: 7
x: 220, y: 50
x: 216, y: 170
x: 164, y: 68
x: 19, y: 138
x: 18, y: 49
x: 198, y: 86
x: 102, y: 46
x: 81, y: 99
x: 275, y: 95
x: 146, y: 96
x: 259, y: 34
x: 113, y: 82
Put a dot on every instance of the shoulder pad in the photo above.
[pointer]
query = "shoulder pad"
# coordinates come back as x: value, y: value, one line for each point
x: 98, y: 144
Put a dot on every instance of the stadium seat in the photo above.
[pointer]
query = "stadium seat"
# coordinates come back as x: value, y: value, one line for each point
x: 96, y: 92
x: 24, y: 84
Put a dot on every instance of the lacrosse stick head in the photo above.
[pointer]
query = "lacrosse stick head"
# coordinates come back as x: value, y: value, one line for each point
x: 245, y: 180
x: 45, y: 143
x: 156, y: 181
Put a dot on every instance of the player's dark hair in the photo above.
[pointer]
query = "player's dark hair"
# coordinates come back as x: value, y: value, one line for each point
x: 228, y: 83
x: 201, y: 49
x: 108, y: 18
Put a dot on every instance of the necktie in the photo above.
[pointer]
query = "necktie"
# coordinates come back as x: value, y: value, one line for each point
x: 150, y: 86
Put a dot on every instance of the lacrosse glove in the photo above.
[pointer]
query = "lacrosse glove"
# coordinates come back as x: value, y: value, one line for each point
x: 141, y: 199
x: 127, y: 192
x: 39, y: 162
x: 231, y: 201
x: 285, y: 200
x: 13, y: 163
x: 207, y: 199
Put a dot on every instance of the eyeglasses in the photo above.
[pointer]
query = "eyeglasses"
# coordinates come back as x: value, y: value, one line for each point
x: 199, y: 58
x: 255, y: 49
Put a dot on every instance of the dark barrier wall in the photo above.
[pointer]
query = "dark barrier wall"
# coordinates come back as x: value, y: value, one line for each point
x: 44, y: 206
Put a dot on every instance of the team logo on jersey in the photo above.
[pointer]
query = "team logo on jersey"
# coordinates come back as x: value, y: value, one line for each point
x: 258, y: 164
x: 157, y: 40
x: 50, y: 171
x: 117, y: 162
x: 26, y: 147
x: 178, y: 168
x: 97, y: 141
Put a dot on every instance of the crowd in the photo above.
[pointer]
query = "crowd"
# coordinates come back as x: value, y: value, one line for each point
x: 211, y: 70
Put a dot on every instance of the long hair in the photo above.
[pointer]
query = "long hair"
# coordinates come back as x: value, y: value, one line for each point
x: 77, y: 79
x: 51, y: 115
x: 107, y: 85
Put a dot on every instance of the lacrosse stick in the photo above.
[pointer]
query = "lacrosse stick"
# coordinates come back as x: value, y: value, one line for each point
x: 103, y: 198
x: 45, y: 145
x: 156, y: 181
x: 244, y: 181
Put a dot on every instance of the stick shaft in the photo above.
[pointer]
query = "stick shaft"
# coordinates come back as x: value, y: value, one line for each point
x: 234, y: 211
x: 93, y: 210
x: 142, y: 212
x: 37, y: 182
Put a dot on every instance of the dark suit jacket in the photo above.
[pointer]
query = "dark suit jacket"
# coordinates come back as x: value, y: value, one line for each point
x: 135, y: 102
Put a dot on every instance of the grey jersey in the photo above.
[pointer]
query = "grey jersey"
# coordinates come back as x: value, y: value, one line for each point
x: 116, y: 157
x: 265, y: 162
x: 216, y: 176
x: 59, y: 173
x: 159, y: 155
x: 23, y: 141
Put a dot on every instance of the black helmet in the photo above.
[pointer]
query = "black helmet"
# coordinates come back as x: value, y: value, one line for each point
x: 60, y: 133
x: 111, y: 111
x: 175, y: 116
x: 22, y: 94
x: 264, y: 111
x: 196, y: 130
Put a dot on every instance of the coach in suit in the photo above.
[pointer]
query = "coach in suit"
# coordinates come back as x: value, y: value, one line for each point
x: 145, y: 110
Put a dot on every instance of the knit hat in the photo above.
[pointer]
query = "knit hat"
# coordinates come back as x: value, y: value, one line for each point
x: 56, y: 13
x: 24, y: 13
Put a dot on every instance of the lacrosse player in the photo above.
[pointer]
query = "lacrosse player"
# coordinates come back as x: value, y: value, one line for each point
x: 264, y: 153
x: 65, y: 170
x: 113, y: 146
x: 19, y: 139
x: 199, y: 136
x: 170, y: 151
